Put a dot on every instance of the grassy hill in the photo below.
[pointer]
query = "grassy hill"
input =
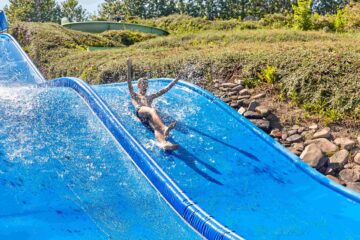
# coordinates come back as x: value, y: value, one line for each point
x: 317, y: 70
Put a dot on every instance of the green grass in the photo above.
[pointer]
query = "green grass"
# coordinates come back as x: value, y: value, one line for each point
x: 315, y: 69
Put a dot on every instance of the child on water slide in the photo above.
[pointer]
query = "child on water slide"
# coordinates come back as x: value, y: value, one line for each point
x: 146, y: 113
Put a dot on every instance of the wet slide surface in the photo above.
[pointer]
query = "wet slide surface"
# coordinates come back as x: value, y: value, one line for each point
x: 244, y: 179
x: 62, y: 176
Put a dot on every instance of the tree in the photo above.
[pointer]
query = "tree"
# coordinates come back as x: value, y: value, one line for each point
x: 73, y: 11
x: 302, y: 15
x: 112, y: 9
x: 328, y: 6
x: 33, y: 10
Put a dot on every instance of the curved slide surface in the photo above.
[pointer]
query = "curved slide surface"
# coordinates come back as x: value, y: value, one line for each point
x: 187, y: 209
x: 236, y: 172
x: 102, y: 26
x: 233, y: 170
x: 62, y: 176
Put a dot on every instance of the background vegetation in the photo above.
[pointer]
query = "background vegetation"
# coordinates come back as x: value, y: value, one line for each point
x: 318, y: 69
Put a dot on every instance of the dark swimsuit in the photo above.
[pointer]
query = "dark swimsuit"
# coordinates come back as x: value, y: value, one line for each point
x: 143, y: 119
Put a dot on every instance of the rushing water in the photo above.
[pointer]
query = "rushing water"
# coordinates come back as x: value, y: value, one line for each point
x: 14, y: 68
x: 63, y: 177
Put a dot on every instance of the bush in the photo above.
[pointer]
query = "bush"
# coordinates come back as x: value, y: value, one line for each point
x: 269, y: 75
x: 126, y: 37
x: 321, y: 22
x: 310, y: 67
x: 352, y: 17
x: 277, y: 20
x: 302, y: 15
x: 339, y: 21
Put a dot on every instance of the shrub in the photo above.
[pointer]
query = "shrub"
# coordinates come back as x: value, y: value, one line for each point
x: 277, y: 20
x: 126, y: 37
x: 302, y: 15
x: 269, y: 75
x: 321, y: 22
x: 339, y: 21
x: 352, y: 17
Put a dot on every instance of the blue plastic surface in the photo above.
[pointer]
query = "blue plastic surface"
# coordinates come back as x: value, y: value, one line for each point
x: 3, y: 22
x: 189, y: 211
x: 16, y: 68
x: 184, y: 206
x: 236, y: 172
x: 62, y: 176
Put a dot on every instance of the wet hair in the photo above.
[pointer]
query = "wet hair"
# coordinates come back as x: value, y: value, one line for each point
x: 143, y: 82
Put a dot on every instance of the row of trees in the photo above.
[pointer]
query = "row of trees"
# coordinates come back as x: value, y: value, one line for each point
x: 211, y: 9
x: 45, y: 10
x: 50, y: 10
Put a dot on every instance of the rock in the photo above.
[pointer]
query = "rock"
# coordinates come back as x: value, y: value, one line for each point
x: 294, y: 138
x: 313, y: 127
x: 258, y: 96
x: 252, y: 106
x: 357, y: 158
x: 242, y: 110
x: 264, y: 111
x: 292, y: 132
x: 284, y: 136
x: 313, y: 156
x: 228, y: 85
x: 261, y: 123
x: 245, y: 102
x: 276, y: 133
x: 339, y: 159
x: 358, y: 139
x: 349, y: 165
x: 295, y: 127
x: 324, y: 144
x: 345, y: 143
x: 237, y: 88
x: 350, y: 175
x: 252, y: 115
x: 226, y: 100
x: 301, y: 130
x: 297, y: 148
x: 223, y: 89
x: 323, y: 133
x: 233, y: 93
x: 244, y: 92
x: 234, y: 104
x: 335, y: 179
x: 354, y: 186
x: 240, y: 97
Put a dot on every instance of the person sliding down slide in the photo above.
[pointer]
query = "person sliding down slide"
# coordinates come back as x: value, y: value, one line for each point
x: 146, y: 113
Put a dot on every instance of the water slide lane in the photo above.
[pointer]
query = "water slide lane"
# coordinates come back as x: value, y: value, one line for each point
x: 238, y: 174
x: 62, y: 175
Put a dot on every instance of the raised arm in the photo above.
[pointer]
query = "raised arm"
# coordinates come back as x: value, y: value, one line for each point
x: 166, y: 89
x: 129, y: 78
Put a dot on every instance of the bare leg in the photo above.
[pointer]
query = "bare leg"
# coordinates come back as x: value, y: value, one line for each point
x: 154, y: 118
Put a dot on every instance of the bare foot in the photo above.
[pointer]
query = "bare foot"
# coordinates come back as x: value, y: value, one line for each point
x: 169, y: 146
x: 169, y: 128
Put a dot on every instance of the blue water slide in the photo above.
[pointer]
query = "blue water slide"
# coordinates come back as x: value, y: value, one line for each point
x: 18, y: 72
x: 3, y: 22
x: 234, y: 171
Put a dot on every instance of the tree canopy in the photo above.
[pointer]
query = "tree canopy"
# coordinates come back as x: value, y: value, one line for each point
x: 49, y: 10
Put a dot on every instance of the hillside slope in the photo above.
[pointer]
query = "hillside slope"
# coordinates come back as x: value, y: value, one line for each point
x: 317, y: 70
